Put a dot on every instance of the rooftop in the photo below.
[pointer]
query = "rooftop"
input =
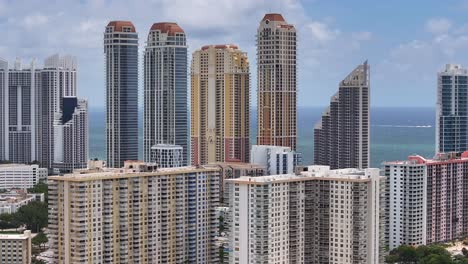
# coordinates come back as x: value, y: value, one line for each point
x: 273, y: 17
x: 220, y: 46
x: 119, y: 25
x: 169, y: 28
x: 25, y: 235
x: 108, y: 174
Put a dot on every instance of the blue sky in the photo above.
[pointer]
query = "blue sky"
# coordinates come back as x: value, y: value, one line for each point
x: 406, y: 42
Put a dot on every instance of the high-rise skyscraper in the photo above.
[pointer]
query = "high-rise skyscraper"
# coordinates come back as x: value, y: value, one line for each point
x: 318, y: 216
x: 166, y: 116
x: 58, y: 80
x: 276, y: 159
x: 20, y: 112
x: 452, y: 109
x: 341, y: 137
x: 121, y: 55
x: 220, y: 105
x: 33, y: 105
x: 71, y: 135
x: 276, y: 82
x: 139, y: 216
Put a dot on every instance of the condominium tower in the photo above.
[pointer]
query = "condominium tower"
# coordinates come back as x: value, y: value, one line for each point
x: 220, y: 105
x: 121, y: 56
x: 319, y: 216
x: 166, y: 116
x: 452, y: 109
x: 405, y: 203
x: 71, y: 135
x: 20, y: 117
x: 276, y: 82
x: 132, y: 216
x: 341, y: 137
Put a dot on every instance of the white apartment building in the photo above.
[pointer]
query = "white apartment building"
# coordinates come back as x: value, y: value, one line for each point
x: 132, y: 216
x: 167, y: 156
x: 406, y: 203
x: 276, y: 159
x: 21, y: 176
x: 318, y: 216
x: 12, y: 201
x: 15, y: 248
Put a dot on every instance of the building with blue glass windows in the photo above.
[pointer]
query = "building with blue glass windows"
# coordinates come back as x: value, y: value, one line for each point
x: 121, y: 56
x: 165, y: 91
x: 452, y: 109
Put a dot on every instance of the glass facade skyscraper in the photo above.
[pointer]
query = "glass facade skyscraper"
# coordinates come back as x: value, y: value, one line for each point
x: 452, y: 109
x: 166, y: 93
x: 121, y: 55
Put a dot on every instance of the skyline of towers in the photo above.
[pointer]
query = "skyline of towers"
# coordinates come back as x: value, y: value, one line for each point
x: 32, y: 105
x: 452, y: 109
x: 121, y: 66
x: 166, y: 114
x: 220, y: 89
x: 276, y: 82
x: 341, y: 136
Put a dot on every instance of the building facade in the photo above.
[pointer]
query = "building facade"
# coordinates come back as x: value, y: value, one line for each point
x: 129, y: 216
x: 121, y: 60
x: 276, y: 159
x: 21, y: 176
x: 167, y: 156
x: 405, y: 203
x: 319, y: 216
x: 220, y: 105
x: 341, y: 137
x: 452, y: 110
x: 166, y: 115
x: 71, y: 136
x: 58, y: 79
x: 20, y: 112
x: 277, y: 82
x: 16, y: 249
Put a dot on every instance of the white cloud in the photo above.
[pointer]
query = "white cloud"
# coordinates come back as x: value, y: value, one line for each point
x: 34, y: 20
x: 438, y: 25
x: 322, y: 32
x: 362, y: 35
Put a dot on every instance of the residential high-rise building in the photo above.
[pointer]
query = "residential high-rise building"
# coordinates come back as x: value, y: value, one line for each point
x: 58, y: 79
x: 166, y: 115
x: 20, y: 112
x: 121, y: 56
x: 220, y: 105
x: 341, y: 137
x: 16, y: 248
x: 135, y: 215
x: 318, y: 216
x: 32, y: 106
x: 276, y: 159
x: 21, y: 176
x: 405, y: 203
x: 71, y: 135
x: 276, y: 82
x: 432, y: 195
x: 452, y: 109
x: 167, y: 156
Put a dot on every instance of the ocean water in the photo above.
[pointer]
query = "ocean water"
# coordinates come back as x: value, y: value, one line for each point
x: 395, y: 133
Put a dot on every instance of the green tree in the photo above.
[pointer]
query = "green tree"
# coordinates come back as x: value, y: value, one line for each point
x: 8, y: 221
x: 34, y: 215
x: 39, y: 240
x: 41, y: 187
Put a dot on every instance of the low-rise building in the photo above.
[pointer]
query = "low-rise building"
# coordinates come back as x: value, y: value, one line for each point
x: 21, y: 176
x: 10, y: 202
x: 15, y: 248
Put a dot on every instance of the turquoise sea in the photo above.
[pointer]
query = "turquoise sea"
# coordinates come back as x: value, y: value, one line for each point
x: 395, y: 132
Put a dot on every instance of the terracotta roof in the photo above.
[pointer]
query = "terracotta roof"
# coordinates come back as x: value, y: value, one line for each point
x: 118, y: 25
x: 273, y: 17
x: 221, y: 46
x: 170, y: 28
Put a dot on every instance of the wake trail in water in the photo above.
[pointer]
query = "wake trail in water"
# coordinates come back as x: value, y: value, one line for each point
x: 403, y: 126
